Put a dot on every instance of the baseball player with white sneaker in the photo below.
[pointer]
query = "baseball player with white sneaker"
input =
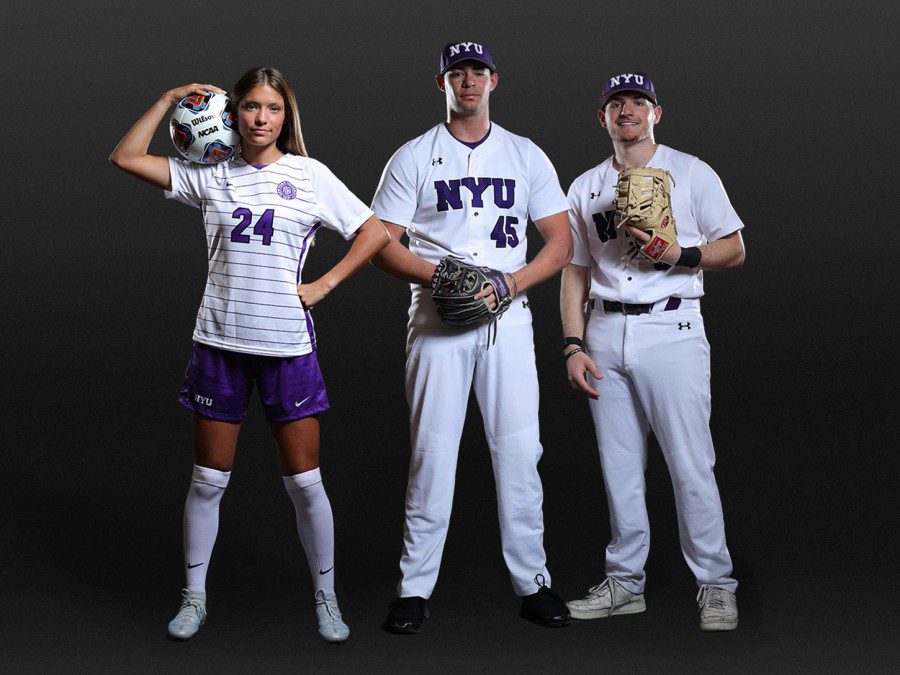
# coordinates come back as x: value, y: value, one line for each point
x: 467, y: 188
x: 644, y: 359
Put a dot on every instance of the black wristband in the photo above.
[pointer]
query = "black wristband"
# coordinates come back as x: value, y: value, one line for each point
x: 690, y: 257
x: 574, y: 351
x: 572, y: 341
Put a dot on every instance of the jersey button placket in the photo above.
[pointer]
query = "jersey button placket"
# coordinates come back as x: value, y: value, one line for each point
x: 472, y: 238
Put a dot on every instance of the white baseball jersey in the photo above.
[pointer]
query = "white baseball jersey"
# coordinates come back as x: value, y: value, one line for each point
x: 259, y: 227
x: 702, y: 213
x: 472, y: 203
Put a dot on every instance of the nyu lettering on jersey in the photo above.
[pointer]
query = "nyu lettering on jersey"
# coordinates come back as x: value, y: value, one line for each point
x: 259, y: 227
x: 470, y: 202
x: 702, y: 211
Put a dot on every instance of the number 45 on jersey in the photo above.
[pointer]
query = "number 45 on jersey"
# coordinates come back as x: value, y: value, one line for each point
x: 504, y: 232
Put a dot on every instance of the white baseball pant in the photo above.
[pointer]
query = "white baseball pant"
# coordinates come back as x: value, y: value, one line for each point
x: 442, y: 365
x: 656, y: 374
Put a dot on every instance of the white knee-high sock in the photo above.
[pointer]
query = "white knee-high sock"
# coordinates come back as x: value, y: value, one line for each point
x: 315, y: 525
x: 201, y: 523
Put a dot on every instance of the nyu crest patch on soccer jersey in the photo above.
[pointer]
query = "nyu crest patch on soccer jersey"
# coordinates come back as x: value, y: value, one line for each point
x: 286, y: 190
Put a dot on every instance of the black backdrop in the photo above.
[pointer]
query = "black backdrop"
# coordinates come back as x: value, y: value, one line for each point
x: 101, y: 278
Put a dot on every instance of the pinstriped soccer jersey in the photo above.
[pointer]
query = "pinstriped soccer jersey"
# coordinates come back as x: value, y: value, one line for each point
x: 259, y: 227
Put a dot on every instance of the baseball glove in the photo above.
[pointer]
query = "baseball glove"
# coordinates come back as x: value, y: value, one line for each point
x: 642, y: 201
x: 455, y: 285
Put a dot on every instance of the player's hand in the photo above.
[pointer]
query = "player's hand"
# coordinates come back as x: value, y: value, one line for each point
x: 175, y: 95
x: 488, y: 293
x: 670, y: 257
x: 577, y: 366
x: 314, y: 293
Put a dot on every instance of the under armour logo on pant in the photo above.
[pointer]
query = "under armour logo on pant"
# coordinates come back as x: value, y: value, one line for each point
x: 682, y: 326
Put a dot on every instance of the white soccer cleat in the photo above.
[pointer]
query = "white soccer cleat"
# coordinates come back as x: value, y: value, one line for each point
x: 331, y: 626
x: 190, y: 617
x: 607, y: 599
x: 718, y: 608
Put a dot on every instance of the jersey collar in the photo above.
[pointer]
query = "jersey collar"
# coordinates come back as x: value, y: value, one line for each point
x: 482, y: 148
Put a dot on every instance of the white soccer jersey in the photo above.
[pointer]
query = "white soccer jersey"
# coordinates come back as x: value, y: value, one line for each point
x: 472, y: 203
x: 702, y: 213
x: 259, y: 227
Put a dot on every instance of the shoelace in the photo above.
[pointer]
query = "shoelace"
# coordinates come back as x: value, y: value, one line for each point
x: 602, y: 589
x: 713, y: 598
x: 541, y: 581
x: 331, y: 608
x: 189, y: 605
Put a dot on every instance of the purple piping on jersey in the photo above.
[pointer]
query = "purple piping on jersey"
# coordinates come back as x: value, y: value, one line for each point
x: 310, y: 329
x: 259, y: 166
x: 474, y: 144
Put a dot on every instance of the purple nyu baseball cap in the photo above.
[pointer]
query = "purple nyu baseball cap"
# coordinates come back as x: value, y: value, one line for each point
x: 639, y: 82
x: 461, y: 51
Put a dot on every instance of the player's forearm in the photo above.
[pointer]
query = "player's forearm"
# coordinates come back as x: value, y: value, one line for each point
x: 135, y: 143
x: 398, y: 261
x: 131, y: 153
x: 554, y: 256
x: 573, y: 294
x: 371, y: 238
x: 723, y: 254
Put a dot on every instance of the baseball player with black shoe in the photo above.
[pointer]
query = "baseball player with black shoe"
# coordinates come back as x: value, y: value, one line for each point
x: 646, y: 223
x: 463, y: 193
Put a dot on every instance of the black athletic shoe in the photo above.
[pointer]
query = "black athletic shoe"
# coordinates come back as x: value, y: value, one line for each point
x: 545, y: 608
x: 405, y: 615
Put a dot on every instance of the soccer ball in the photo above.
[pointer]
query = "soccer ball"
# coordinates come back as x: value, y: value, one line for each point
x: 203, y: 129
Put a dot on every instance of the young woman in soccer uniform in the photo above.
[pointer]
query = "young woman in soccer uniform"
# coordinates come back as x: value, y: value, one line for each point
x: 261, y: 210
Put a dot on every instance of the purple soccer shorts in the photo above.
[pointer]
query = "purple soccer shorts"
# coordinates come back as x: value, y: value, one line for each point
x: 218, y: 383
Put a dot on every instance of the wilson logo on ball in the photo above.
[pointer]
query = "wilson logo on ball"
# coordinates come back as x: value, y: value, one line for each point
x: 203, y: 129
x: 196, y: 102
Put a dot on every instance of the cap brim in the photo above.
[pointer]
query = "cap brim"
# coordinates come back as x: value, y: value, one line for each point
x: 469, y: 58
x: 649, y: 94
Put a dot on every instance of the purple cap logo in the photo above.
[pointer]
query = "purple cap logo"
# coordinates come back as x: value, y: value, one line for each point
x: 286, y: 190
x: 639, y: 82
x: 461, y: 51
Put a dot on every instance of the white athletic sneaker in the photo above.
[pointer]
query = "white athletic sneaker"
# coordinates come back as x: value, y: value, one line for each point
x: 190, y: 617
x: 331, y: 627
x: 607, y: 599
x: 718, y: 608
